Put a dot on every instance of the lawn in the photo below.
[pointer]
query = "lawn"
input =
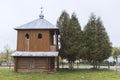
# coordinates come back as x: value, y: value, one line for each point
x: 86, y: 74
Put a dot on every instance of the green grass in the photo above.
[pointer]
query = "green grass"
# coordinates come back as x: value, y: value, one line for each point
x: 90, y: 74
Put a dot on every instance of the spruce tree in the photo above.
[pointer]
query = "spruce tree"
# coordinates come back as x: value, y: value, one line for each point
x: 74, y: 39
x: 62, y: 24
x: 70, y: 33
x: 97, y: 43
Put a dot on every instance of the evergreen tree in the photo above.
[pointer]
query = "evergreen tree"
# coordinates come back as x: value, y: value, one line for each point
x: 74, y: 40
x: 62, y: 24
x: 97, y: 43
x: 70, y: 32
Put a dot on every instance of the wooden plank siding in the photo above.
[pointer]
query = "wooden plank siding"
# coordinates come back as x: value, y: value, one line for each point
x: 23, y: 63
x: 34, y: 64
x: 35, y: 44
x: 47, y: 43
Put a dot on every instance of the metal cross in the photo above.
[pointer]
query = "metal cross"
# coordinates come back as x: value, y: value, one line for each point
x: 41, y: 10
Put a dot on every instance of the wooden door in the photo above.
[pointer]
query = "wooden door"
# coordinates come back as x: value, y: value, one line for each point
x: 31, y: 63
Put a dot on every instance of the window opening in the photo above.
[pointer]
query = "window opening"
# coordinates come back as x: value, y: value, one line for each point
x: 39, y: 36
x: 27, y: 36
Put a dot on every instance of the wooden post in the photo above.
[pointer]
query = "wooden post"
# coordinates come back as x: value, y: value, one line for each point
x: 55, y: 40
x: 55, y: 63
x: 48, y: 64
x: 15, y: 64
x: 58, y: 63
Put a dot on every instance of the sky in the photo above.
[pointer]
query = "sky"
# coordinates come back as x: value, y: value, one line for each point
x: 14, y: 13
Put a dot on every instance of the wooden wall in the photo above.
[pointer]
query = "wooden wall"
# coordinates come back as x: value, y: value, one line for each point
x: 35, y: 64
x: 35, y: 44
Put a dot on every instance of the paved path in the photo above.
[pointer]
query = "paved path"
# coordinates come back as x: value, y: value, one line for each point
x: 89, y: 67
x: 83, y: 67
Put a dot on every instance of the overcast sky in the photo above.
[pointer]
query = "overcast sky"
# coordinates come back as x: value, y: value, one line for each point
x: 14, y: 13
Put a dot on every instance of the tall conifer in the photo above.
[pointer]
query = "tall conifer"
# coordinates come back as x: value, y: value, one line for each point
x: 97, y: 43
x: 70, y: 34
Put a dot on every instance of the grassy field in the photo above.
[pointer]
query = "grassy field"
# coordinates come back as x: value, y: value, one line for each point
x: 8, y: 74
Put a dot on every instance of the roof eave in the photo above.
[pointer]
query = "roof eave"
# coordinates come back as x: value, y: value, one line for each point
x: 34, y: 54
x: 36, y: 29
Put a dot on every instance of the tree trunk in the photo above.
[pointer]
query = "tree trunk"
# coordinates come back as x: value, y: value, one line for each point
x: 116, y: 63
x: 71, y: 64
x: 108, y: 65
x: 77, y: 65
x: 94, y: 64
x: 7, y: 58
x: 99, y: 65
x: 62, y: 64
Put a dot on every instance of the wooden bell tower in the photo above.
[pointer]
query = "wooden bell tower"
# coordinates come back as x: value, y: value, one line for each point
x: 37, y: 46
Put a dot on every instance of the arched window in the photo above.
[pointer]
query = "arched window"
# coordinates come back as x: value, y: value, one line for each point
x: 27, y: 36
x: 39, y: 36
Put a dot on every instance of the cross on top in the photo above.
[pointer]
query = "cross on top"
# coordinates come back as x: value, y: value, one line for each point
x: 41, y: 10
x: 41, y: 15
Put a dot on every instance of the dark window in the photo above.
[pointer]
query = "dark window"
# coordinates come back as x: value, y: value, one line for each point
x: 27, y: 36
x: 39, y: 36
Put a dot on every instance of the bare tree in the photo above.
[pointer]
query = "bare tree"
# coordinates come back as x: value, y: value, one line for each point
x: 7, y: 52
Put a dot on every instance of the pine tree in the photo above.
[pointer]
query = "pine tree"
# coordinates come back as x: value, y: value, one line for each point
x: 97, y: 43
